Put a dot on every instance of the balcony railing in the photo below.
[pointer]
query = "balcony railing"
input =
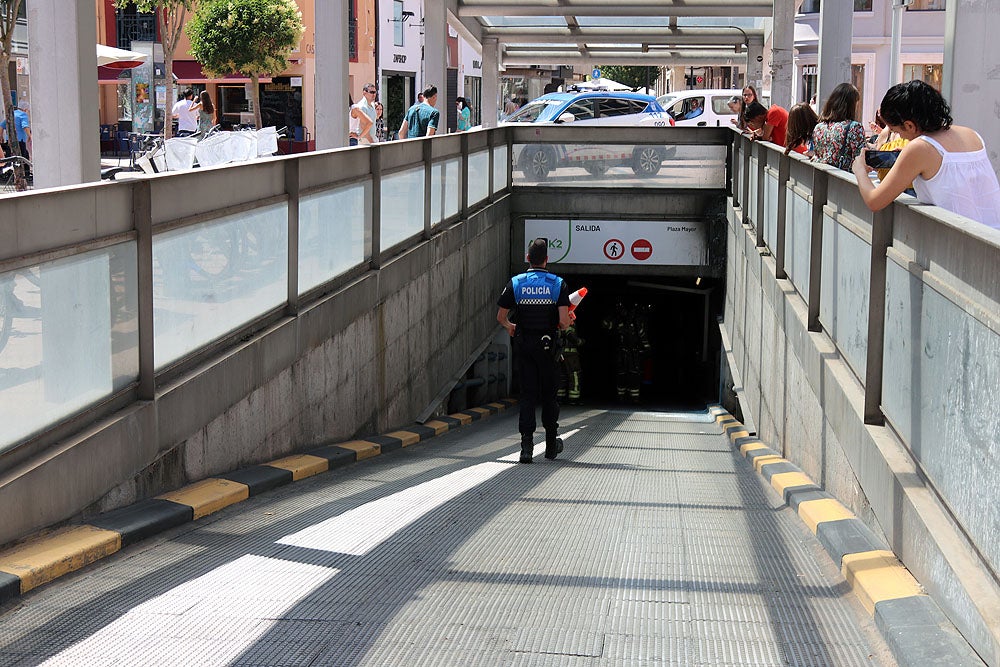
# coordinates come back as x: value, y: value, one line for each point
x: 135, y: 28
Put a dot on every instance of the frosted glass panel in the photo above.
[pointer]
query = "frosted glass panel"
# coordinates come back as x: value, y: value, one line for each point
x: 332, y: 228
x: 500, y: 163
x: 214, y: 277
x: 479, y: 177
x: 68, y: 338
x: 445, y: 185
x: 402, y: 206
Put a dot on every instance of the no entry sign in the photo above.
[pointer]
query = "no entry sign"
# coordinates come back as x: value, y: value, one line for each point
x: 642, y: 250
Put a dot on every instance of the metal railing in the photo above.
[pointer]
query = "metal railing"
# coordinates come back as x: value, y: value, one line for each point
x: 109, y: 290
x: 909, y: 296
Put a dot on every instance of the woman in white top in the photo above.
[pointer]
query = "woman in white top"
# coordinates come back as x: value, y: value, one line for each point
x: 948, y: 166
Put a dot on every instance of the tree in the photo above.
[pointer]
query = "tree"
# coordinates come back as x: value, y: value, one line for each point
x: 9, y: 10
x: 171, y: 15
x: 251, y: 37
x: 633, y: 76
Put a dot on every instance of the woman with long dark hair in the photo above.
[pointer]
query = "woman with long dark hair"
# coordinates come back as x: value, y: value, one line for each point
x: 206, y: 114
x: 839, y: 137
x: 799, y: 135
x: 947, y: 164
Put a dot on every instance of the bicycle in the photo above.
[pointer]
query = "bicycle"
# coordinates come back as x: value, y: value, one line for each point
x: 10, y: 179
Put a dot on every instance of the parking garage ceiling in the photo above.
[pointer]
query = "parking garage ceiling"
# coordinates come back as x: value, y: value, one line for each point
x: 608, y: 32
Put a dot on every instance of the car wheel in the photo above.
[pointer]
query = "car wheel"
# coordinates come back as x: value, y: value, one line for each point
x: 537, y: 162
x: 646, y: 160
x: 596, y: 168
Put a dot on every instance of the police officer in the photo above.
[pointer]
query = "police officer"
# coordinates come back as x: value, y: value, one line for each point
x: 540, y: 301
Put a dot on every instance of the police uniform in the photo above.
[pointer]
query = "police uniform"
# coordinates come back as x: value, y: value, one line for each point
x: 535, y: 297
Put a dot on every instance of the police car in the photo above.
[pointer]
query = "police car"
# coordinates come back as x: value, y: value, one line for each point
x: 595, y: 107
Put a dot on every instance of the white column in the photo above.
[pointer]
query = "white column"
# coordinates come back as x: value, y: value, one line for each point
x: 755, y: 64
x: 836, y: 30
x: 970, y: 60
x: 491, y: 82
x: 436, y: 55
x: 65, y: 126
x: 331, y: 78
x: 782, y: 42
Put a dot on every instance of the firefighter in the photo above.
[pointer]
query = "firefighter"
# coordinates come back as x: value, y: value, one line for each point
x: 628, y: 331
x: 569, y: 385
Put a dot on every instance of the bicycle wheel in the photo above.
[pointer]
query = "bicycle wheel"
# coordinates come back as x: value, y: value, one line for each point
x: 214, y: 252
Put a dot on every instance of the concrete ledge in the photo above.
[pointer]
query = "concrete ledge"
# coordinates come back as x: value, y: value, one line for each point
x: 917, y: 632
x: 920, y: 634
x: 49, y: 556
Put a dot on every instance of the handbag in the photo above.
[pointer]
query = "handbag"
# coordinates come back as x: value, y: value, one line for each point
x: 843, y: 147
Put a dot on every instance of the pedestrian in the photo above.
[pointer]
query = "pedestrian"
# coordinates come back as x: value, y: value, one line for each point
x: 801, y: 123
x: 947, y: 164
x: 422, y: 118
x: 185, y: 113
x: 738, y: 107
x: 767, y: 124
x: 380, y: 133
x: 22, y: 128
x: 510, y: 105
x: 362, y: 117
x: 838, y: 136
x: 540, y: 304
x: 206, y: 113
x: 464, y: 114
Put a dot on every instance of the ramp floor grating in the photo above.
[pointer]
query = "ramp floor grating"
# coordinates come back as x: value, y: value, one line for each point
x: 648, y: 542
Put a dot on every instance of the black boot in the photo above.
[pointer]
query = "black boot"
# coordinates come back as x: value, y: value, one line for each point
x: 527, y: 448
x: 553, y: 448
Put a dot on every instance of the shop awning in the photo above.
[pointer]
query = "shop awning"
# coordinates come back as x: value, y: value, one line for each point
x: 189, y: 71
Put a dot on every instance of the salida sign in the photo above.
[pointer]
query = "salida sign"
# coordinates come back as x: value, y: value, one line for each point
x: 638, y: 242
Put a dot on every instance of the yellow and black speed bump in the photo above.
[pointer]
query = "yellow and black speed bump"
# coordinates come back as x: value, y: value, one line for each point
x: 43, y: 558
x: 259, y: 479
x: 916, y: 630
x: 144, y: 519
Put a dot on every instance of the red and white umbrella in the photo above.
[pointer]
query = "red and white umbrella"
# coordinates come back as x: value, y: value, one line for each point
x: 112, y: 58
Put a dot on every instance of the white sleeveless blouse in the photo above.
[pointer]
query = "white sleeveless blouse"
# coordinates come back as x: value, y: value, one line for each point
x: 965, y: 184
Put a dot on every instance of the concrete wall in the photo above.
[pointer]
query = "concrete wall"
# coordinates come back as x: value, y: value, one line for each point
x: 362, y: 360
x: 922, y: 470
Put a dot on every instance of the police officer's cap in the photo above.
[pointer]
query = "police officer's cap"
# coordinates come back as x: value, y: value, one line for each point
x: 538, y: 252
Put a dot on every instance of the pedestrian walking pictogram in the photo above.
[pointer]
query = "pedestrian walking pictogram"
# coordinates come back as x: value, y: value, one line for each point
x: 614, y: 249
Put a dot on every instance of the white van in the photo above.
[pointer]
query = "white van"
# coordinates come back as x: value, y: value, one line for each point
x: 700, y: 108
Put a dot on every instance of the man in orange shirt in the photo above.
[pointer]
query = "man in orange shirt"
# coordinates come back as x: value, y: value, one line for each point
x: 767, y: 124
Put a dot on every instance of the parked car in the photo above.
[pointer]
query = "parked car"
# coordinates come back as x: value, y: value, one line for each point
x: 700, y: 108
x: 601, y: 108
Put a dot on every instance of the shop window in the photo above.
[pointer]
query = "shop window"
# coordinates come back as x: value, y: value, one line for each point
x: 929, y: 74
x: 397, y: 23
x: 813, y: 6
x: 927, y: 6
x: 858, y: 79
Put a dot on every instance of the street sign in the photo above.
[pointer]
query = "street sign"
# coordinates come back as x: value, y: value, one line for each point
x: 596, y: 73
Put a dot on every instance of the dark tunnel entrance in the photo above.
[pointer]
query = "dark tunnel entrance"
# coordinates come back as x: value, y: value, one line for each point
x: 679, y: 370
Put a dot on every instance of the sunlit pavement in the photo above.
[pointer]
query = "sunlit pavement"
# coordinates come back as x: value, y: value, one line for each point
x: 649, y: 541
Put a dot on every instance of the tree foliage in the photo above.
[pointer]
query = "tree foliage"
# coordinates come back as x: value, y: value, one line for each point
x: 171, y: 15
x: 250, y: 37
x: 633, y: 76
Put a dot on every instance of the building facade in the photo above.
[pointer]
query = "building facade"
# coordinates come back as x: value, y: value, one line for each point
x: 921, y: 48
x: 135, y: 99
